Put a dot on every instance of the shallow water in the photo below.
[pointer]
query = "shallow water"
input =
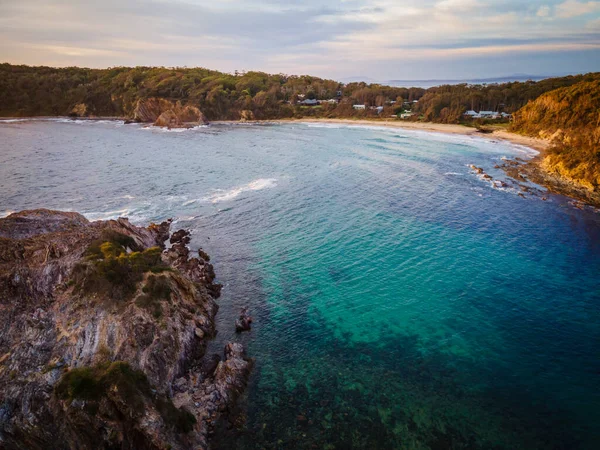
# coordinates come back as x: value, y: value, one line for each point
x: 399, y: 300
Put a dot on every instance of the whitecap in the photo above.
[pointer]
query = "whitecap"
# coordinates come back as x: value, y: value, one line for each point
x: 183, y: 219
x: 106, y: 215
x: 256, y: 185
x: 173, y: 130
x: 13, y: 120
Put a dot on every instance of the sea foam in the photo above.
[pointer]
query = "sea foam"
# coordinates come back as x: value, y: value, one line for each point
x: 173, y: 130
x: 256, y: 185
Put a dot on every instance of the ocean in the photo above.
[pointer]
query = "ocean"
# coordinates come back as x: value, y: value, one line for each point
x: 399, y: 300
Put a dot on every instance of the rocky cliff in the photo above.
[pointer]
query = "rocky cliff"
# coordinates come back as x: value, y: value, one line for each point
x: 569, y: 118
x: 103, y: 334
x: 164, y: 113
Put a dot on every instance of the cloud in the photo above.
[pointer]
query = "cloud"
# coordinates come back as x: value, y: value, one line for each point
x: 297, y: 36
x: 574, y: 8
x: 543, y: 11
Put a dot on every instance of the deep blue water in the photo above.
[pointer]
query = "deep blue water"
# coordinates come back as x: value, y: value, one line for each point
x: 399, y: 300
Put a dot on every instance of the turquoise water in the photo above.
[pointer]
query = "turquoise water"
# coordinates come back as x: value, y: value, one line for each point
x: 399, y: 300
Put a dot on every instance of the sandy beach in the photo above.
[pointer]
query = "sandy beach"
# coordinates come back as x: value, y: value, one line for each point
x: 535, y: 143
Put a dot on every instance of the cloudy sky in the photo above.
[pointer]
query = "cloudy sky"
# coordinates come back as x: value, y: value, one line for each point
x: 379, y: 39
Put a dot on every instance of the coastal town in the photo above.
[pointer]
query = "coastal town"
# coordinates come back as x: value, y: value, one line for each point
x: 405, y: 111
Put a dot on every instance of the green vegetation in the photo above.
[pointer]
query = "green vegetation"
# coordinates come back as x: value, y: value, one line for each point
x: 130, y: 387
x: 570, y: 116
x: 38, y: 91
x: 156, y: 289
x: 110, y: 269
x: 34, y: 91
x: 447, y: 104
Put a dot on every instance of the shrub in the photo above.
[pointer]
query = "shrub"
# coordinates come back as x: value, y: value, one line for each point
x: 94, y: 383
x: 155, y: 290
x: 108, y: 268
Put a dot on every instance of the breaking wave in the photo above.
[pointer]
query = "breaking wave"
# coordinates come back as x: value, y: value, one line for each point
x: 256, y: 185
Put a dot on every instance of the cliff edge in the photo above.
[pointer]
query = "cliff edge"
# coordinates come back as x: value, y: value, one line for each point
x: 103, y: 335
x: 569, y: 119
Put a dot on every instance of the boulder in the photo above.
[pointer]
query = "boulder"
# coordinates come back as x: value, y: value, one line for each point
x: 168, y: 119
x: 180, y: 236
x: 190, y: 114
x: 244, y: 323
x: 476, y: 169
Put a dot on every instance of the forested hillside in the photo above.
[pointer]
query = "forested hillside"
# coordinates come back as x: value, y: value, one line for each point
x: 570, y: 117
x: 447, y: 104
x: 36, y: 91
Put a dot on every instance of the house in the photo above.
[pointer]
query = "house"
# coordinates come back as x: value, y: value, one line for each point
x: 359, y: 106
x: 406, y: 115
x: 379, y: 109
x: 309, y: 102
x: 486, y: 115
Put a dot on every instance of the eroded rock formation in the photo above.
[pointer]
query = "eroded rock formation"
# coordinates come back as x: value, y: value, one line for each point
x: 164, y: 113
x: 103, y: 337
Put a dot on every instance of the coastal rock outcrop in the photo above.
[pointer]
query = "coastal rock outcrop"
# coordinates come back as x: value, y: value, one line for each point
x: 79, y: 110
x: 148, y: 110
x: 244, y: 323
x: 246, y: 115
x: 168, y: 119
x: 103, y: 337
x: 164, y: 113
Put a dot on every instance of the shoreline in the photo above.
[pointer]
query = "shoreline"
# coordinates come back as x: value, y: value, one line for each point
x: 537, y: 144
x: 528, y: 169
x: 540, y: 145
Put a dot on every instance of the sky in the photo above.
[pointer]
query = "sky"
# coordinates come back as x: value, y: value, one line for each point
x: 374, y: 39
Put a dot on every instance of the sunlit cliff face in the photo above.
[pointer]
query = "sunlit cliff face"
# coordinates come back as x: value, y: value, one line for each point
x: 375, y: 38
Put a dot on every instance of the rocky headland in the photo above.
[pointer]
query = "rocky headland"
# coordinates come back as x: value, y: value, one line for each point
x: 165, y: 113
x: 537, y: 171
x: 103, y: 335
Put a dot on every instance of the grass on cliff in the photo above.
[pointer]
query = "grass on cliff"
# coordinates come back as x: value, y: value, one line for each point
x: 114, y: 265
x: 120, y: 383
x: 156, y: 289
